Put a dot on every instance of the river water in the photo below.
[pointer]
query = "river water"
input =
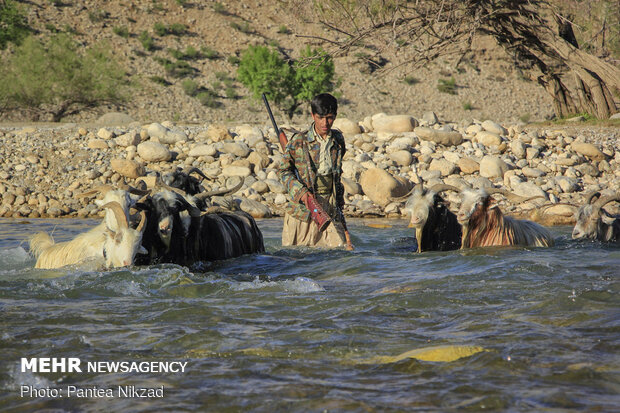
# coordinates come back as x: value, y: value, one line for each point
x: 297, y: 330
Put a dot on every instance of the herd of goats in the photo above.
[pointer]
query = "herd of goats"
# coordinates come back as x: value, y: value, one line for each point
x: 175, y: 222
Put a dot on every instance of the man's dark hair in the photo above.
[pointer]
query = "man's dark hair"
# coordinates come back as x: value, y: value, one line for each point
x: 324, y: 104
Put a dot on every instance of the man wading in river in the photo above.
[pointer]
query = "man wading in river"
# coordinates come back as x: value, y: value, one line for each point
x: 311, y: 170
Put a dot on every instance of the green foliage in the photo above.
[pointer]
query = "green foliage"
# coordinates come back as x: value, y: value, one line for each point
x: 160, y: 29
x: 242, y: 27
x: 147, y: 41
x: 51, y: 27
x: 121, y: 31
x: 208, y: 98
x: 209, y: 53
x: 13, y: 24
x: 525, y: 118
x: 283, y: 29
x: 190, y: 53
x: 182, y: 3
x: 234, y: 60
x: 57, y: 74
x: 190, y: 87
x: 178, y: 69
x: 447, y: 86
x: 219, y: 8
x: 467, y: 106
x: 160, y: 80
x: 263, y: 70
x: 411, y: 80
x: 98, y: 16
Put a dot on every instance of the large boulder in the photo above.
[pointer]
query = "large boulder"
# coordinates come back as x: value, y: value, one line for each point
x: 165, y: 135
x: 393, y: 123
x: 493, y: 127
x: 493, y: 167
x: 239, y: 149
x: 380, y: 185
x: 152, y: 151
x: 128, y: 168
x: 488, y: 138
x: 447, y: 138
x: 346, y: 126
x: 255, y: 208
x: 588, y: 149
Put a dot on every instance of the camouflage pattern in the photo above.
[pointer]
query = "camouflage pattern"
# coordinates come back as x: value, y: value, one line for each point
x: 298, y: 177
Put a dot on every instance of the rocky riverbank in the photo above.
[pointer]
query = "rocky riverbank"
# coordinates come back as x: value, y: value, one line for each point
x: 45, y: 167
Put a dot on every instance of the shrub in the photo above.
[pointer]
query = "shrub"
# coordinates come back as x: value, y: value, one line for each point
x: 525, y: 118
x: 98, y: 16
x: 242, y: 27
x: 121, y: 31
x: 467, y: 106
x: 190, y: 87
x: 147, y: 41
x: 56, y: 75
x: 176, y: 69
x: 160, y: 29
x: 181, y: 3
x: 263, y: 70
x: 219, y: 8
x: 410, y: 80
x: 209, y: 53
x: 283, y: 29
x: 177, y: 29
x: 231, y: 93
x: 208, y: 98
x: 234, y: 60
x: 160, y: 80
x: 447, y: 86
x: 13, y: 24
x: 50, y: 27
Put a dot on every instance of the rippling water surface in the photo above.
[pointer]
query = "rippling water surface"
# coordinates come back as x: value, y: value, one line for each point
x: 377, y: 329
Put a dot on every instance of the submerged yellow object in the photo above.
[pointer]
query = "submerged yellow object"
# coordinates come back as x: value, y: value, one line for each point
x: 381, y: 226
x: 437, y: 353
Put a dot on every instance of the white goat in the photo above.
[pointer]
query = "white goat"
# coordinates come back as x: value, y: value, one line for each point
x: 116, y: 245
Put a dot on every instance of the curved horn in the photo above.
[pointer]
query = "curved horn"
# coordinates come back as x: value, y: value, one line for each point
x: 591, y: 196
x: 403, y: 197
x: 119, y: 213
x: 205, y: 194
x: 602, y: 201
x: 192, y: 169
x: 559, y: 203
x: 444, y: 187
x: 98, y: 189
x: 511, y: 196
x: 133, y: 190
x: 142, y: 223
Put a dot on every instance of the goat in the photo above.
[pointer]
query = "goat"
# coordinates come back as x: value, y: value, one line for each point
x: 436, y: 228
x: 117, y: 245
x: 594, y: 223
x: 485, y: 226
x: 182, y: 179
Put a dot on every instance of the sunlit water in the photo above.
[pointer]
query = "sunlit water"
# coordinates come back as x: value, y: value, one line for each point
x: 315, y: 330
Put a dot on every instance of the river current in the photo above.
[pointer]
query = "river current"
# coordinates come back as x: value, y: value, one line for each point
x: 379, y: 329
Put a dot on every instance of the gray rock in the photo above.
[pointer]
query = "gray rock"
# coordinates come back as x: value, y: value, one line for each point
x: 518, y: 149
x: 239, y: 149
x: 567, y: 184
x: 588, y: 149
x: 438, y: 136
x: 379, y: 185
x: 528, y: 189
x: 468, y: 165
x: 275, y: 186
x: 152, y: 151
x: 488, y: 138
x: 493, y: 127
x: 202, y: 150
x: 128, y: 139
x: 255, y: 208
x: 444, y: 166
x: 493, y: 167
x: 430, y: 118
x: 532, y: 172
x: 351, y: 187
x: 401, y: 157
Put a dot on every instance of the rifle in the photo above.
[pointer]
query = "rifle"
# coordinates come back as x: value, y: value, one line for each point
x: 319, y: 216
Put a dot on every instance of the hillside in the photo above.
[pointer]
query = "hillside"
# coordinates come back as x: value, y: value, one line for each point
x: 487, y: 86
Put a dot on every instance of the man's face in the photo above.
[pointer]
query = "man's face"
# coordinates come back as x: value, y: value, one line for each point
x: 323, y: 124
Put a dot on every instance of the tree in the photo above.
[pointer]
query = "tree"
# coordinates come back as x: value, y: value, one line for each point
x: 13, y: 24
x: 286, y: 83
x: 535, y: 32
x: 54, y: 78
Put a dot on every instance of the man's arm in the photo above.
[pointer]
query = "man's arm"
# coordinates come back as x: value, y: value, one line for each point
x: 287, y: 172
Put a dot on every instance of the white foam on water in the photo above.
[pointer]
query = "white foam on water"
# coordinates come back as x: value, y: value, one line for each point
x: 14, y: 256
x: 18, y: 378
x: 297, y: 285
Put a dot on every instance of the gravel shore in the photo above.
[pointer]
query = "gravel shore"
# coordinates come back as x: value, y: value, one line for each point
x: 46, y: 166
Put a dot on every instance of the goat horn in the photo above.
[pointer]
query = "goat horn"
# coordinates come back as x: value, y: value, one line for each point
x: 133, y: 190
x: 192, y: 169
x: 604, y: 200
x: 591, y: 196
x: 205, y: 194
x: 119, y: 213
x: 142, y: 223
x: 444, y: 187
x: 511, y: 196
x: 403, y: 197
x: 559, y: 203
x: 98, y: 189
